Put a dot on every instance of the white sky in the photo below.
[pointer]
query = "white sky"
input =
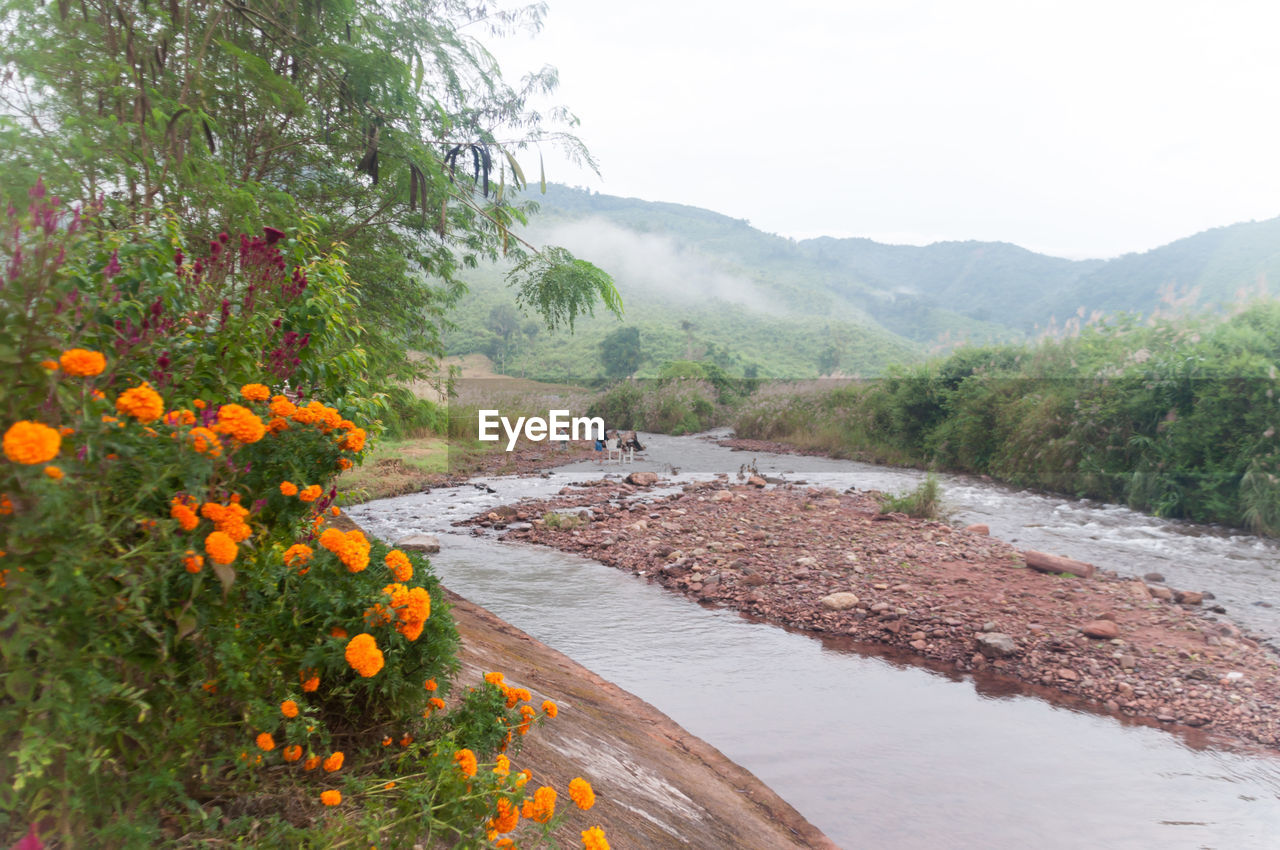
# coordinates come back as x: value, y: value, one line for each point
x: 1081, y: 129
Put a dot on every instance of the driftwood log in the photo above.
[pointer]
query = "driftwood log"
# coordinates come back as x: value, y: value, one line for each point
x: 1047, y: 563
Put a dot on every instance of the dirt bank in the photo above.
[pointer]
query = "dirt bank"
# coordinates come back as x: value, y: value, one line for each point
x: 829, y: 562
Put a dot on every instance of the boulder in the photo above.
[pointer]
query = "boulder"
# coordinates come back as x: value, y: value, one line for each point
x: 756, y: 481
x: 1159, y: 592
x: 1190, y: 597
x: 642, y: 479
x: 1101, y: 629
x: 722, y: 496
x: 996, y: 645
x: 978, y: 528
x: 428, y: 543
x: 1046, y: 563
x: 841, y: 601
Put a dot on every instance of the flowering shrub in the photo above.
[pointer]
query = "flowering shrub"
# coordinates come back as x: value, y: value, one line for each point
x: 174, y: 608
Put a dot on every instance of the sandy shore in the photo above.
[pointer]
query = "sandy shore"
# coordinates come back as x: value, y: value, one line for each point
x: 830, y: 563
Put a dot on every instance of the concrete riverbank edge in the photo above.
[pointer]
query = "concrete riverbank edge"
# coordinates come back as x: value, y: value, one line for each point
x: 656, y: 784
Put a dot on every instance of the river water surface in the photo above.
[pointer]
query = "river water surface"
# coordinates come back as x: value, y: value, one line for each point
x: 878, y: 750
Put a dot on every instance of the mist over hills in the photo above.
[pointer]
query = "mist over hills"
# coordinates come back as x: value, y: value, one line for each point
x: 699, y: 284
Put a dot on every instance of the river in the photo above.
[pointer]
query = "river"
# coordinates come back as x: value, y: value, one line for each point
x: 877, y: 749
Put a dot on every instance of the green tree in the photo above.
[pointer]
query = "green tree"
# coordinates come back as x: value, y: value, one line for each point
x: 387, y: 122
x: 621, y: 353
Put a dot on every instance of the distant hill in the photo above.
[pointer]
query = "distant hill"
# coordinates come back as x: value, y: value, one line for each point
x: 701, y: 284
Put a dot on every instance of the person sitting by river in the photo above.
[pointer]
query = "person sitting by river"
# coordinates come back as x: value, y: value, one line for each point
x: 630, y: 441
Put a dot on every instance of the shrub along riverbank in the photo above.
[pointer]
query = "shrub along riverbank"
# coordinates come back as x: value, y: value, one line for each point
x: 1177, y: 418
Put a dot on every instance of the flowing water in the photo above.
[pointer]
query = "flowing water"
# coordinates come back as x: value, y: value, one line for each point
x: 875, y: 748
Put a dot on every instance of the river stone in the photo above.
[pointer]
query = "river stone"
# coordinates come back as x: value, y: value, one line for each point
x: 722, y: 496
x: 1191, y: 597
x: 756, y: 481
x: 996, y: 644
x: 642, y: 479
x: 841, y: 601
x: 978, y: 528
x: 1160, y: 592
x: 1153, y: 577
x: 1101, y: 629
x: 419, y: 543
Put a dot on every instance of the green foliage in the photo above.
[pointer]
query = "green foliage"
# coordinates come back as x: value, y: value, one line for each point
x: 675, y: 406
x: 564, y: 522
x: 924, y: 502
x: 159, y: 608
x: 561, y: 287
x: 1178, y: 418
x: 620, y: 352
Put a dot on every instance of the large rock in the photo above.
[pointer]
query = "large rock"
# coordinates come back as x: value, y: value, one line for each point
x: 722, y: 496
x: 1159, y: 592
x: 642, y: 479
x: 978, y: 528
x: 419, y: 543
x: 1046, y: 563
x: 1101, y: 629
x: 1189, y: 597
x: 756, y: 481
x: 996, y: 645
x: 841, y: 601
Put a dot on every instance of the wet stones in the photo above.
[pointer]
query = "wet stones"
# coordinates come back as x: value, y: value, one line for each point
x: 642, y: 479
x: 427, y: 543
x: 1100, y: 629
x: 996, y: 645
x: 841, y: 601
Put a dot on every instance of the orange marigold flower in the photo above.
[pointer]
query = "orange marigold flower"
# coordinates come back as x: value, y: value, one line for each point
x: 30, y: 442
x: 288, y: 488
x: 281, y: 406
x: 430, y: 684
x: 220, y: 548
x: 192, y: 562
x: 543, y: 806
x: 333, y: 762
x: 255, y: 392
x: 311, y: 763
x: 344, y: 463
x: 494, y: 678
x: 199, y: 404
x: 388, y: 786
x: 51, y: 365
x: 82, y: 363
x: 310, y: 680
x: 352, y: 547
x: 182, y: 509
x: 593, y: 839
x: 436, y: 703
x: 54, y: 472
x: 141, y: 402
x: 276, y: 425
x: 240, y: 423
x: 466, y: 762
x: 581, y: 794
x: 335, y: 510
x: 6, y: 504
x: 522, y: 777
x: 406, y: 740
x: 265, y: 741
x: 65, y: 431
x: 550, y: 708
x: 297, y: 555
x: 205, y: 441
x: 229, y: 518
x: 292, y: 752
x: 400, y: 565
x: 310, y: 494
x: 180, y: 417
x: 354, y: 440
x: 508, y: 816
x: 363, y: 655
x: 332, y: 797
x: 338, y: 632
x: 289, y: 708
x: 386, y: 741
x: 503, y: 766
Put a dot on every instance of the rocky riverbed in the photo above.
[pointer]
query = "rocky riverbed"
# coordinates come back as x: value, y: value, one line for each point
x: 830, y: 562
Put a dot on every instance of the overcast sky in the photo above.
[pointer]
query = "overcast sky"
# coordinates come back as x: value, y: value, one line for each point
x: 1081, y: 129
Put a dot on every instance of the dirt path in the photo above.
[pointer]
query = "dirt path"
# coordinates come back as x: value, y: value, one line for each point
x: 828, y: 562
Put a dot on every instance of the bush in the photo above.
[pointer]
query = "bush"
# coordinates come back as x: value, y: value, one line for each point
x: 185, y: 636
x: 924, y: 502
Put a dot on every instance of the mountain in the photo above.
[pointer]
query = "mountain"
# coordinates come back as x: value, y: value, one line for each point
x: 704, y: 285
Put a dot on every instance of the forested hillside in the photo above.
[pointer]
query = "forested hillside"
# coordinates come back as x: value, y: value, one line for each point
x: 704, y: 286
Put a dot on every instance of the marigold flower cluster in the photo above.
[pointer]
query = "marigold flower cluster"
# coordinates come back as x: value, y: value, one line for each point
x: 30, y: 442
x: 351, y: 547
x: 205, y: 441
x: 229, y: 519
x: 400, y: 565
x: 241, y: 423
x: 354, y: 440
x: 334, y: 762
x: 192, y: 562
x: 298, y: 555
x: 542, y: 807
x: 310, y: 494
x: 331, y: 797
x: 220, y: 548
x: 363, y: 655
x: 507, y: 817
x: 181, y: 416
x: 466, y: 761
x: 280, y: 406
x: 550, y: 709
x: 593, y: 839
x: 141, y: 402
x: 183, y: 509
x: 412, y: 607
x: 255, y: 392
x: 82, y: 363
x: 581, y: 793
x: 310, y: 680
